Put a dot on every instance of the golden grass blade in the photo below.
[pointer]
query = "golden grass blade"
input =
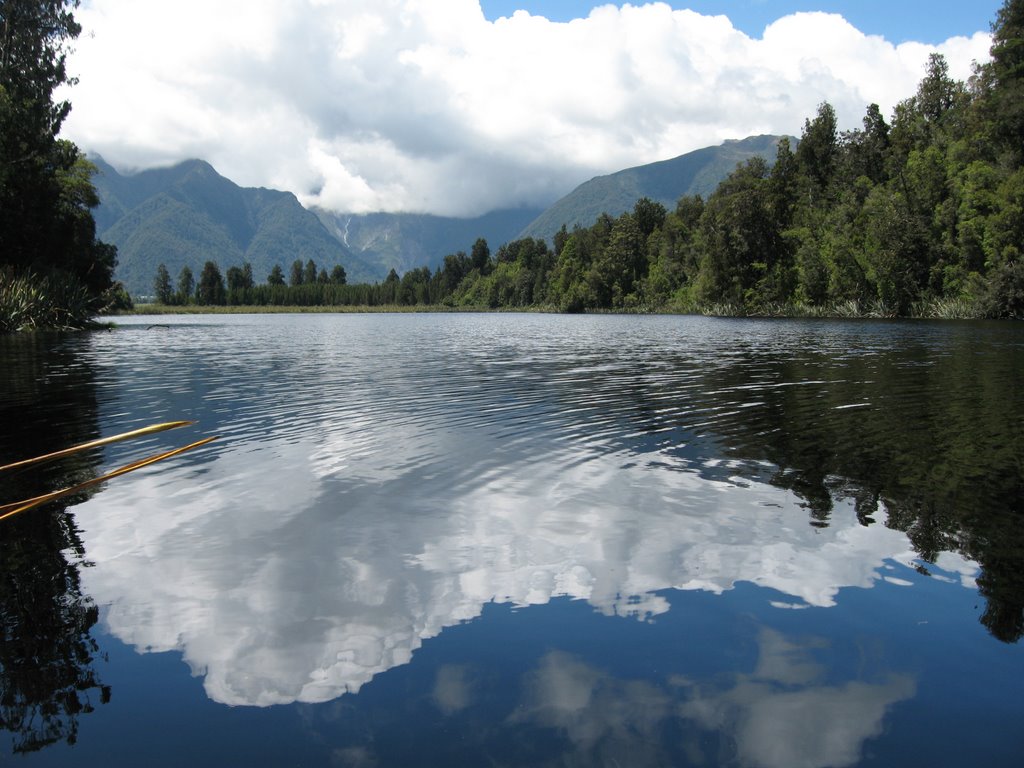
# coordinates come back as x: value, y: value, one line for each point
x: 102, y: 441
x: 9, y: 510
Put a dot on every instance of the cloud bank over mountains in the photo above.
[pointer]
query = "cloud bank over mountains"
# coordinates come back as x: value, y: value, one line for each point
x: 408, y: 105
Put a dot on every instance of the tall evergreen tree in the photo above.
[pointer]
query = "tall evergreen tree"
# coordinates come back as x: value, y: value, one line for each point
x: 1007, y: 77
x: 309, y: 273
x: 816, y: 152
x: 46, y: 196
x: 480, y: 255
x: 162, y: 289
x: 186, y: 285
x: 210, y: 289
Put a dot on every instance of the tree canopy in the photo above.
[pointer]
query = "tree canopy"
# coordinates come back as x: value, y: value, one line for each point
x: 47, y: 232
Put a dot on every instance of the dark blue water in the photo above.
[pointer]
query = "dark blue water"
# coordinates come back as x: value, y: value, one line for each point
x: 518, y: 540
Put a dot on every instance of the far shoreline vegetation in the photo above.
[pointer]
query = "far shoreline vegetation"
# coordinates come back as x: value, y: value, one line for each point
x: 920, y: 217
x: 851, y: 311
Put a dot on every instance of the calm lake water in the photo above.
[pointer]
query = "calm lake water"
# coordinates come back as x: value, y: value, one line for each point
x: 518, y: 540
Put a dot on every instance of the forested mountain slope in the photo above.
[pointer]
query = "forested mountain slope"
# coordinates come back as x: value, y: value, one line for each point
x: 695, y: 173
x: 187, y: 214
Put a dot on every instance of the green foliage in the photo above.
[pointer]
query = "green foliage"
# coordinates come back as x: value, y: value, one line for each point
x: 240, y: 278
x: 816, y: 153
x: 1005, y: 79
x: 30, y: 301
x: 210, y: 289
x: 117, y: 299
x: 162, y: 291
x: 1004, y: 297
x: 309, y: 273
x: 186, y: 285
x: 480, y: 256
x: 47, y: 230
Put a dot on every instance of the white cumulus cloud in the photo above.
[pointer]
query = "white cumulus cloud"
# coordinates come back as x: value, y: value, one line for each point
x: 407, y: 105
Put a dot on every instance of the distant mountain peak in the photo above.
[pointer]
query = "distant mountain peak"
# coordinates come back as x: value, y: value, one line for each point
x: 187, y: 214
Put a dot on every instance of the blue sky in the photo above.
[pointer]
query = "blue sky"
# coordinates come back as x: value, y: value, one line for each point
x: 926, y: 21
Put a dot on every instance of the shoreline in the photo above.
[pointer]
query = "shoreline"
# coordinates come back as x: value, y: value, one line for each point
x: 848, y: 311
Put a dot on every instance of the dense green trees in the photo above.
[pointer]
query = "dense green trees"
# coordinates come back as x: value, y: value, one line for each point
x: 240, y: 278
x: 47, y: 232
x: 237, y: 286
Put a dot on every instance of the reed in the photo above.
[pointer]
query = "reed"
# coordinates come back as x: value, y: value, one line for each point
x: 948, y: 309
x: 17, y: 507
x: 150, y: 430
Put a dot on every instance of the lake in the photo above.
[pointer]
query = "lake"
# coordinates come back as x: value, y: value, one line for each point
x: 517, y: 540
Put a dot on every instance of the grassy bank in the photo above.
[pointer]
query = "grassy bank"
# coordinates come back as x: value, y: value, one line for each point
x: 195, y: 309
x: 943, y: 309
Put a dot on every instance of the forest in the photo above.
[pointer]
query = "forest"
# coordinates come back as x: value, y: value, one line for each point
x: 922, y: 215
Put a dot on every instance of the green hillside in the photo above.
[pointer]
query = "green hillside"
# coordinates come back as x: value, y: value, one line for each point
x: 695, y: 173
x: 188, y: 214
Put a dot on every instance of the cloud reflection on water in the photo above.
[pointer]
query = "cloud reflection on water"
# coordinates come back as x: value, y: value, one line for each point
x: 782, y: 715
x: 397, y: 486
x: 295, y: 571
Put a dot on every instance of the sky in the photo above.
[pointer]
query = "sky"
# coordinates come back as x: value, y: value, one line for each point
x: 896, y: 20
x: 460, y: 107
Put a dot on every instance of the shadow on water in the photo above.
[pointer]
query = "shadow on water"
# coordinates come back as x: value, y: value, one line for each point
x: 47, y: 677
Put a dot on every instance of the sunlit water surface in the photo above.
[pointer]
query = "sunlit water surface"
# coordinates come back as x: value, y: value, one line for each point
x: 534, y: 540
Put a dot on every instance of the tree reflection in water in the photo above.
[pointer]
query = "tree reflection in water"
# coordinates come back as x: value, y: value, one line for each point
x: 930, y: 443
x: 47, y: 677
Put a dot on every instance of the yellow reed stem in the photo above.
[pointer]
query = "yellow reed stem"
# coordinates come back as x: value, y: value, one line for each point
x: 97, y: 443
x: 9, y: 510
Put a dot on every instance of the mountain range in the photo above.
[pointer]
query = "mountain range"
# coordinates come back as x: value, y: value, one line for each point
x: 188, y: 213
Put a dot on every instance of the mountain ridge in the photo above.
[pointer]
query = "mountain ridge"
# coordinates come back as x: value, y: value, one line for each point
x: 694, y: 173
x: 187, y: 214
